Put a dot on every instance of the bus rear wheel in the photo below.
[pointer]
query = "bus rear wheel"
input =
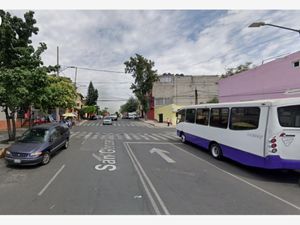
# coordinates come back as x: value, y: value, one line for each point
x: 216, y: 151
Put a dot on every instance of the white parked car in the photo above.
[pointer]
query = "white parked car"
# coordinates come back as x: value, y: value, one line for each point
x: 107, y: 121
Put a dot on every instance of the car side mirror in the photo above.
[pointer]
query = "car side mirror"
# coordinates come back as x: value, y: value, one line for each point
x: 51, y: 139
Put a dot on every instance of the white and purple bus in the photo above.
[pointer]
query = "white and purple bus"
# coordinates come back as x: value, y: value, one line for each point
x: 264, y: 133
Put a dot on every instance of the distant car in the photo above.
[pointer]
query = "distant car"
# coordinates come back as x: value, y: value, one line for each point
x: 94, y: 117
x: 114, y: 117
x: 37, y: 145
x: 133, y: 115
x: 107, y: 121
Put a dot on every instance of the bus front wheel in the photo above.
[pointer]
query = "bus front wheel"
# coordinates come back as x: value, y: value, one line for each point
x: 216, y: 151
x: 182, y: 137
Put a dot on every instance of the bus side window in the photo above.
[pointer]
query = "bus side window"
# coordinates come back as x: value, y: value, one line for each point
x: 180, y: 116
x: 202, y: 116
x: 244, y: 118
x: 219, y: 117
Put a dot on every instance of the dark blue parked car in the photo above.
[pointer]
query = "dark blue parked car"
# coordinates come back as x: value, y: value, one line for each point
x: 37, y: 145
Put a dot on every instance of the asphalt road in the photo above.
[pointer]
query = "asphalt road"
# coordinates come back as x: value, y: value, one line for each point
x: 137, y: 169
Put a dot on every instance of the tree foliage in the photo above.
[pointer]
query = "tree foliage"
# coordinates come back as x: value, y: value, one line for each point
x: 238, y: 69
x: 130, y: 106
x: 92, y: 95
x: 60, y: 93
x: 22, y: 76
x: 214, y: 100
x: 144, y: 77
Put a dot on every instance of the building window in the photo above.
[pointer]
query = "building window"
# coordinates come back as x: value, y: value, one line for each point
x: 244, y: 118
x: 180, y: 116
x: 219, y: 117
x: 190, y: 115
x: 163, y: 101
x: 202, y: 116
x: 296, y: 64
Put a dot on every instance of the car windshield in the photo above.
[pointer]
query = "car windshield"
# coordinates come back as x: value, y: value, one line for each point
x: 34, y: 135
x: 107, y: 118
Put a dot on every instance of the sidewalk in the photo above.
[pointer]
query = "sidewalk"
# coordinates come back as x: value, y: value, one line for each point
x: 156, y: 124
x: 4, y: 135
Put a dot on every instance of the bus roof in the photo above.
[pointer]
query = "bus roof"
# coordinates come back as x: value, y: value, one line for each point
x: 266, y: 102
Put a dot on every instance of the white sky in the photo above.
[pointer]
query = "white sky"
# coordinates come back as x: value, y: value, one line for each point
x: 192, y: 42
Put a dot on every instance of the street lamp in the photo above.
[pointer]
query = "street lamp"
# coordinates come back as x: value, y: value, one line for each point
x: 259, y: 24
x: 74, y: 67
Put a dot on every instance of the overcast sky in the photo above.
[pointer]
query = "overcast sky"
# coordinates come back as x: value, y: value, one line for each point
x: 192, y: 42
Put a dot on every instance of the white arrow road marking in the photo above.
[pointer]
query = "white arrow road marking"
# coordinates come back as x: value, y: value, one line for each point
x: 162, y: 153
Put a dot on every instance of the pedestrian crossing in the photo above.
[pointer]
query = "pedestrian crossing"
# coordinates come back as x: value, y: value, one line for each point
x: 115, y: 124
x: 86, y: 135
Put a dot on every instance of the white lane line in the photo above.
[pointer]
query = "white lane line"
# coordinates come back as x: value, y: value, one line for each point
x: 51, y: 180
x: 81, y: 123
x: 127, y: 136
x: 75, y: 133
x: 135, y: 136
x: 170, y: 137
x: 148, y: 135
x: 162, y: 204
x: 81, y: 134
x: 143, y: 136
x: 86, y: 137
x: 159, y: 136
x: 119, y: 137
x: 239, y: 178
x: 154, y: 205
x: 95, y: 137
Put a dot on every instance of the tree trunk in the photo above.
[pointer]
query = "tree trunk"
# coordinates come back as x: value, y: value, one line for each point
x: 14, y: 130
x: 10, y: 138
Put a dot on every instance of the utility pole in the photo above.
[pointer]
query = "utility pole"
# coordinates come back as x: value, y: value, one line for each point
x: 75, y: 76
x: 57, y: 50
x: 196, y: 96
x: 57, y: 109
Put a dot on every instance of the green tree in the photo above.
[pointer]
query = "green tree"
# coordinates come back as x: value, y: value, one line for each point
x: 92, y: 95
x: 130, y: 106
x: 60, y: 93
x: 238, y: 69
x: 214, y: 100
x: 144, y: 77
x: 22, y: 76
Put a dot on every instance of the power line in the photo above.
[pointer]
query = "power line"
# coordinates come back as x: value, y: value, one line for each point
x: 92, y: 69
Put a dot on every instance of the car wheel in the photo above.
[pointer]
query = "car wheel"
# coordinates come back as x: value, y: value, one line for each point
x: 46, y: 158
x: 66, y: 145
x: 183, y: 138
x: 216, y: 151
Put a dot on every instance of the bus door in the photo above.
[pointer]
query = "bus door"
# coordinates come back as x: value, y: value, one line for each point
x: 288, y: 139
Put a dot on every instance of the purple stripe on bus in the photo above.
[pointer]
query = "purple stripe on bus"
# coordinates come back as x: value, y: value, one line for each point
x: 246, y: 158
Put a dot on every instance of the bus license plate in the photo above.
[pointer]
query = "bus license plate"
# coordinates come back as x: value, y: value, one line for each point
x: 17, y: 160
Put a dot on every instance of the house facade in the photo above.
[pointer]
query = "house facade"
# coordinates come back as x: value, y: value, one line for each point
x: 279, y: 78
x: 174, y: 91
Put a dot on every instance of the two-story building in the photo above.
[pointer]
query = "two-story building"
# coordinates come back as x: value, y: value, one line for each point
x: 174, y: 91
x: 279, y: 78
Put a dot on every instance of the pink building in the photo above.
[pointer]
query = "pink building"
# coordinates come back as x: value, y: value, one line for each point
x: 276, y: 79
